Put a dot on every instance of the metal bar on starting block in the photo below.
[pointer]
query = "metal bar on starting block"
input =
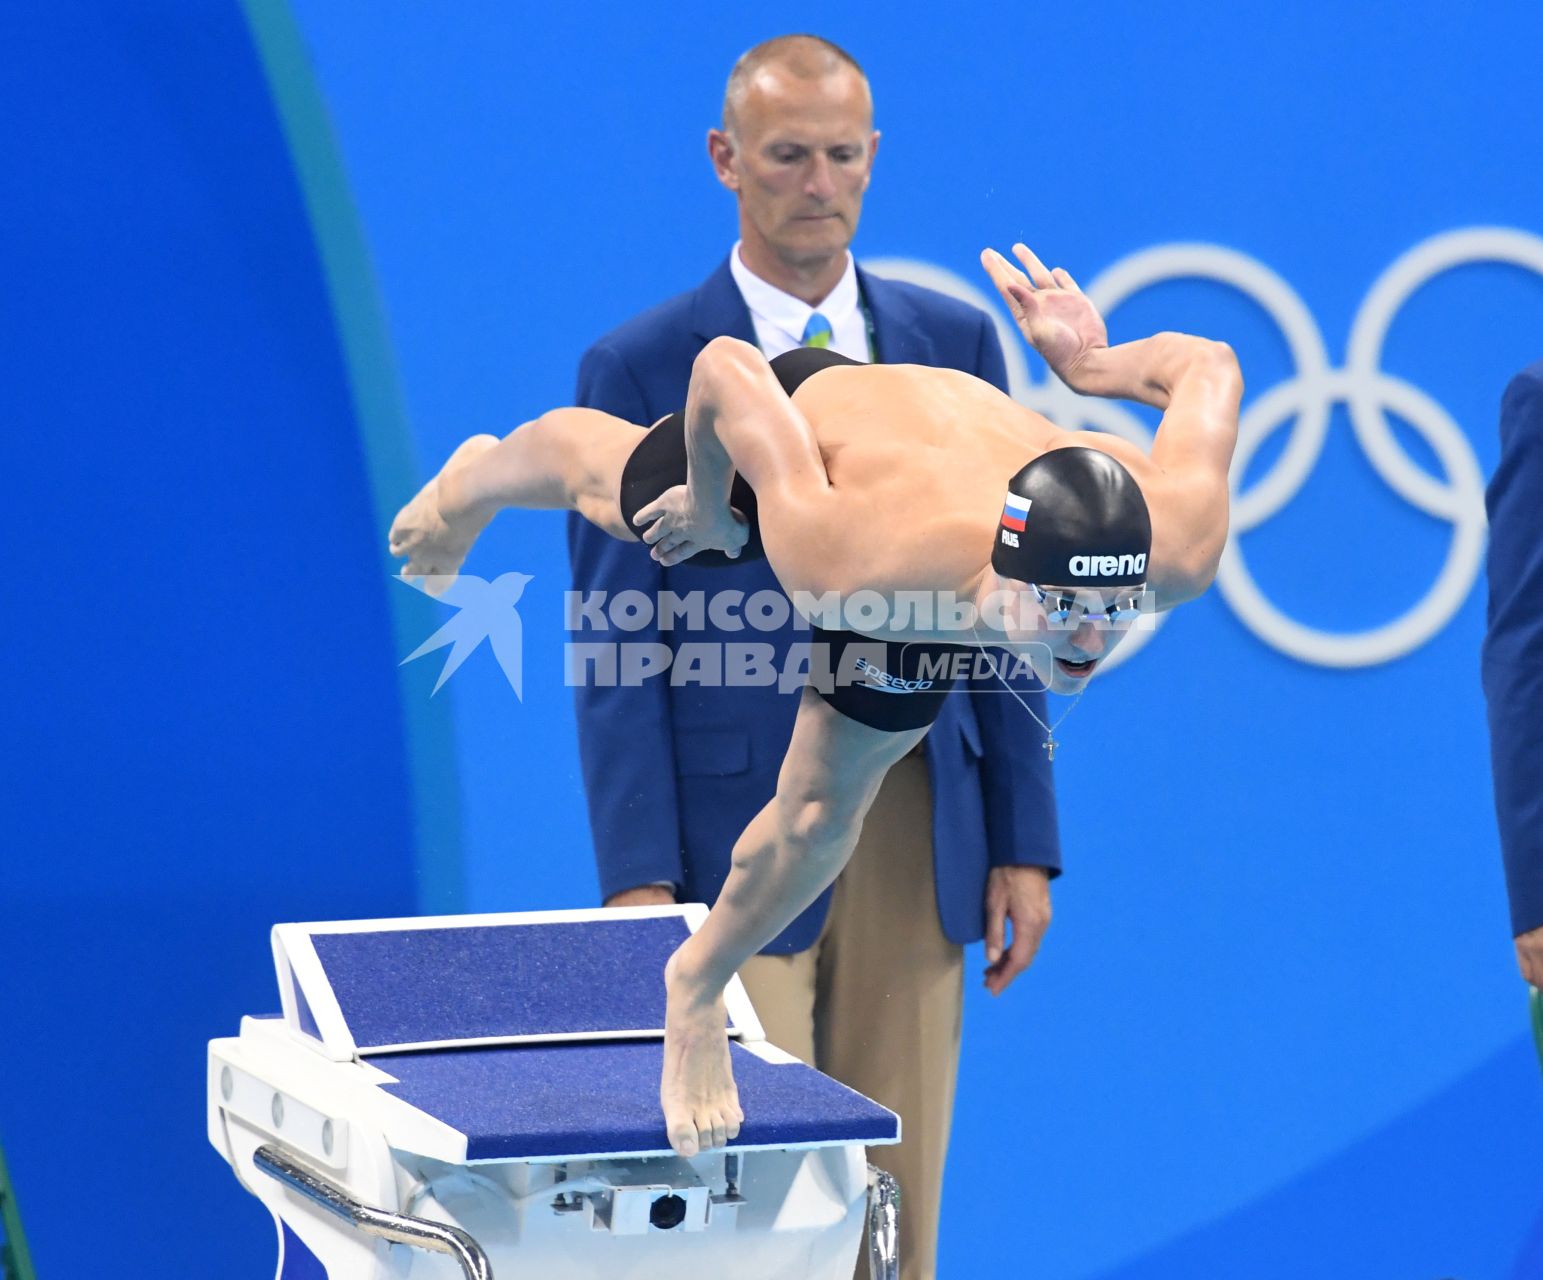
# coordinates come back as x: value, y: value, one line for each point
x: 883, y: 1225
x: 398, y: 1228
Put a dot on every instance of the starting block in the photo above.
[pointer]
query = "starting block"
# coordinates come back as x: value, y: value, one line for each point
x: 470, y: 1095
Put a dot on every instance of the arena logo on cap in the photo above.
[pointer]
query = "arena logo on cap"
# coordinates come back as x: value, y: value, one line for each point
x: 1106, y: 566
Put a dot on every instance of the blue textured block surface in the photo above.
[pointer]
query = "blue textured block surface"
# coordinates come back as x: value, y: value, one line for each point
x: 531, y: 1101
x: 422, y: 986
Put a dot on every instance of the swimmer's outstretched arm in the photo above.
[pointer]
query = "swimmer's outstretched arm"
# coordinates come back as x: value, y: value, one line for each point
x: 1196, y: 382
x: 738, y: 419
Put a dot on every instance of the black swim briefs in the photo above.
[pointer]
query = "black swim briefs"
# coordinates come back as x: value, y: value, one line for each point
x: 884, y: 684
x: 659, y: 461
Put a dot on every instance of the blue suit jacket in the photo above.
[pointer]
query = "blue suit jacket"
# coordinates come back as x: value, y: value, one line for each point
x: 1513, y: 647
x: 674, y: 774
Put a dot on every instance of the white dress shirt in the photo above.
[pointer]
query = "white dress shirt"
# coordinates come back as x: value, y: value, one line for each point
x: 779, y: 318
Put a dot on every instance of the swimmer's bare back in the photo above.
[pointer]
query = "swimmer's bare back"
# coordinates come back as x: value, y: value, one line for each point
x: 890, y: 479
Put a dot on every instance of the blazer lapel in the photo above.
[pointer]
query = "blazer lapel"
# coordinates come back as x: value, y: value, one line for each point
x: 719, y: 309
x: 898, y: 333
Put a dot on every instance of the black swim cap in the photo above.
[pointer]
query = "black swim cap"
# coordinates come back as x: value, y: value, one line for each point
x: 1074, y: 516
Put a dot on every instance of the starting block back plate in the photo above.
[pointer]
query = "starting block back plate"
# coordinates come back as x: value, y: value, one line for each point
x: 394, y: 986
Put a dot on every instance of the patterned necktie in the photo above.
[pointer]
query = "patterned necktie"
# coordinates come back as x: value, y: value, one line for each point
x: 817, y: 332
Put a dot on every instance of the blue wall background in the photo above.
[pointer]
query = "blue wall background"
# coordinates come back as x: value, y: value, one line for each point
x: 1275, y: 1031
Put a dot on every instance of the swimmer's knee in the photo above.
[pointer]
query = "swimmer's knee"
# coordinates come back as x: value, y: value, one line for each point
x: 606, y: 515
x: 822, y: 826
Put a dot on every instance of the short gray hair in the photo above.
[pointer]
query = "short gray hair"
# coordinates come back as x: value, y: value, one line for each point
x: 805, y: 55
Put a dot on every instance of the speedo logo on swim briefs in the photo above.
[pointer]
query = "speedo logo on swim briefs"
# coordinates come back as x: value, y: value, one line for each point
x: 1106, y: 566
x: 890, y: 684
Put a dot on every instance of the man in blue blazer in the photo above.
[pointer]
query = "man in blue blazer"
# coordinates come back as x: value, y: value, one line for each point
x: 962, y: 839
x: 1513, y: 658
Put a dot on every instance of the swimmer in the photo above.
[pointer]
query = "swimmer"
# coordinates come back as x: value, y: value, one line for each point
x: 894, y: 479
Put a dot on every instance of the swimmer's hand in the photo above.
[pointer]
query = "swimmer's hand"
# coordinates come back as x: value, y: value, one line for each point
x: 677, y: 529
x: 433, y: 532
x: 1053, y: 313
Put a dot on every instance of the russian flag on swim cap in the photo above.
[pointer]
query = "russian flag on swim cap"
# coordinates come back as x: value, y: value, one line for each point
x: 1015, y: 512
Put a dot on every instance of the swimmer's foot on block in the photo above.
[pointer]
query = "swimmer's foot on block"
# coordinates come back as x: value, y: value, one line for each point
x: 697, y: 1091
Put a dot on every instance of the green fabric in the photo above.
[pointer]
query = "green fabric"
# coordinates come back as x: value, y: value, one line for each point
x: 873, y: 342
x: 15, y: 1261
x: 1537, y: 1022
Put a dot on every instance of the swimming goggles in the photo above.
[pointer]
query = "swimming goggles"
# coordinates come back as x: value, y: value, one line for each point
x: 1064, y: 609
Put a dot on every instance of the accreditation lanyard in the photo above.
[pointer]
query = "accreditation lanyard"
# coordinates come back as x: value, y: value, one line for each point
x: 868, y: 329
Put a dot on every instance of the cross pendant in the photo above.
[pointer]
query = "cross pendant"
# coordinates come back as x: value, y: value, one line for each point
x: 1050, y: 746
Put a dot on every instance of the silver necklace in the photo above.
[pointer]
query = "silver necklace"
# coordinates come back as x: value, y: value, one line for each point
x: 1050, y: 744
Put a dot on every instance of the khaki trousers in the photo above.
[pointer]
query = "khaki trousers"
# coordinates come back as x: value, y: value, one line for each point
x: 877, y: 1001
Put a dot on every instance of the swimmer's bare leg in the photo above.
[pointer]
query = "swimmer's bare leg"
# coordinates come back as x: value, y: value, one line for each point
x: 790, y: 852
x: 568, y: 459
